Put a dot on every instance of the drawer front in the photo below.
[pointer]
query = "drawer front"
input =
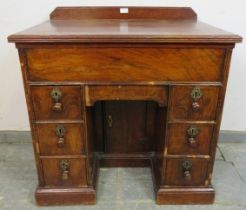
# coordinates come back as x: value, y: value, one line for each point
x: 125, y: 64
x: 193, y: 102
x: 117, y: 92
x: 189, y: 139
x: 186, y: 172
x: 56, y: 102
x: 64, y: 171
x: 60, y: 139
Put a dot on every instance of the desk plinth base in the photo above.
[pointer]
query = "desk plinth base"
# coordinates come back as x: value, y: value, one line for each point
x: 68, y: 196
x: 87, y: 196
x: 185, y: 196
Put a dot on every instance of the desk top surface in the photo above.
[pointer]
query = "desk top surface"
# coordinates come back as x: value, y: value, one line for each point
x: 115, y: 24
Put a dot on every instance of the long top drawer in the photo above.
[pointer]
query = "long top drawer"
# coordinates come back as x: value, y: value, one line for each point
x: 125, y: 64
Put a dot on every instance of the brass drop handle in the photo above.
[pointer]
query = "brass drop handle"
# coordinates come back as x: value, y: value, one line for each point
x: 196, y: 94
x: 187, y: 166
x: 60, y: 133
x: 64, y: 168
x: 195, y: 106
x: 192, y: 133
x: 56, y: 95
x: 110, y: 121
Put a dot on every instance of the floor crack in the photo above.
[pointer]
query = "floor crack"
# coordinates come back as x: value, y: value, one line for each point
x: 233, y: 164
x: 222, y: 155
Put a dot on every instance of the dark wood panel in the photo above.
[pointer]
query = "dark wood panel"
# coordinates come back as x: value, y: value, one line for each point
x: 178, y: 139
x: 98, y: 125
x: 49, y: 140
x: 43, y: 103
x: 160, y: 136
x: 126, y: 127
x: 53, y: 173
x: 90, y: 140
x: 125, y: 64
x: 114, y: 160
x: 175, y: 172
x: 118, y: 92
x: 181, y: 103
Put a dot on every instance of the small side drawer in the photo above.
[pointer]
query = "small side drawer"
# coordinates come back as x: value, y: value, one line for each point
x: 64, y: 172
x: 189, y: 139
x: 186, y: 172
x: 56, y: 102
x: 193, y: 102
x: 60, y: 139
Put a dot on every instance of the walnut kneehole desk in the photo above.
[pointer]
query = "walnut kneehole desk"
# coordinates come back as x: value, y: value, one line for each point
x: 124, y: 87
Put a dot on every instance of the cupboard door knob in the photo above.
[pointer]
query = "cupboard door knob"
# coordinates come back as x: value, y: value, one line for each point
x: 192, y: 133
x: 196, y: 94
x: 56, y: 95
x: 60, y: 133
x: 187, y: 166
x: 110, y: 121
x: 64, y: 167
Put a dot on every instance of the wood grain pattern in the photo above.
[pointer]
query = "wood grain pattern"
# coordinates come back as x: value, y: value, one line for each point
x: 43, y: 103
x: 125, y: 64
x: 129, y: 127
x: 139, y: 67
x: 181, y: 103
x: 118, y: 92
x: 178, y: 139
x: 48, y: 140
x: 23, y: 61
x: 175, y: 175
x: 52, y: 172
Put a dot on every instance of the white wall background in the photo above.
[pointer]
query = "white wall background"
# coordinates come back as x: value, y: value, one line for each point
x: 16, y: 15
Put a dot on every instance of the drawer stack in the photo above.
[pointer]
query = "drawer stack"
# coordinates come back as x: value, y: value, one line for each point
x: 58, y: 122
x: 62, y: 88
x: 190, y: 130
x: 162, y: 55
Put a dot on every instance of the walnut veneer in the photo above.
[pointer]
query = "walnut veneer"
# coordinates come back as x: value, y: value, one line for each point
x: 138, y: 86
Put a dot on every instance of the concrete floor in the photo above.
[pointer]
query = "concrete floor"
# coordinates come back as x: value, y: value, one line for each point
x: 121, y: 188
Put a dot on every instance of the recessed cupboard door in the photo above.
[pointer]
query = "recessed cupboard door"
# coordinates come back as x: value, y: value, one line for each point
x: 129, y: 126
